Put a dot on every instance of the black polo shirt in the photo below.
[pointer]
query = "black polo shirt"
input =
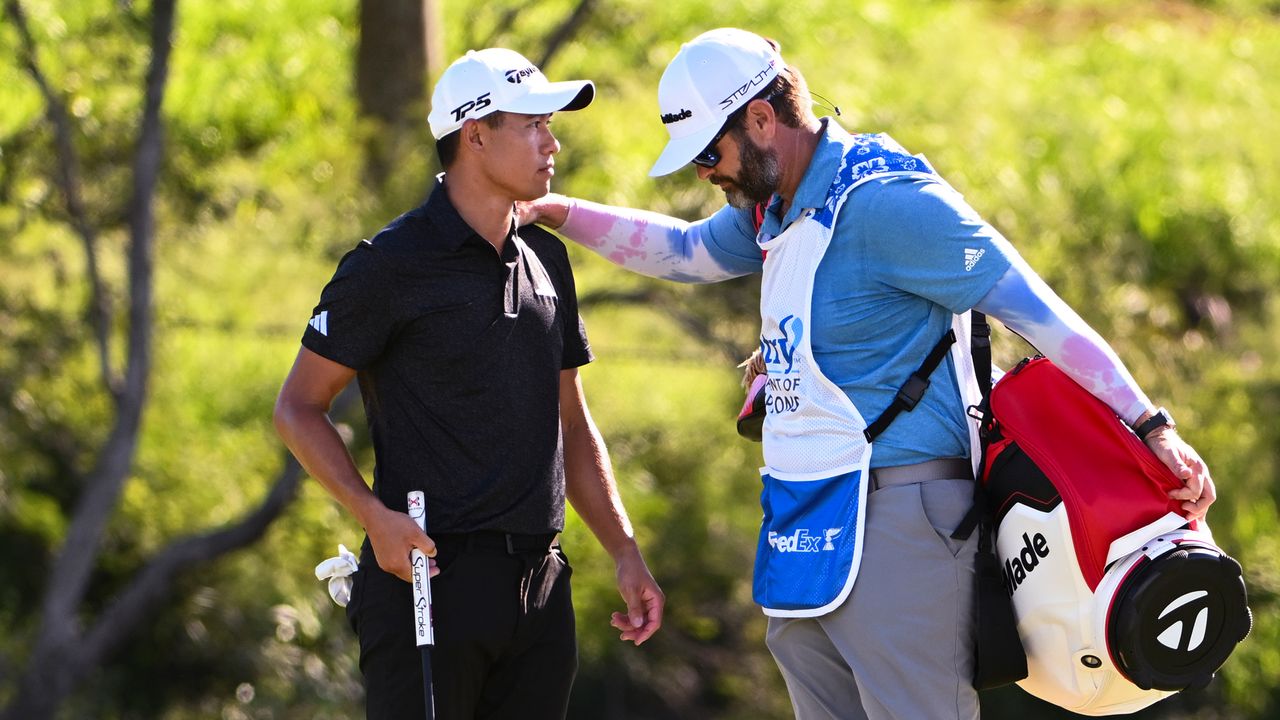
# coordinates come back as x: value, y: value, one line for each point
x: 458, y: 351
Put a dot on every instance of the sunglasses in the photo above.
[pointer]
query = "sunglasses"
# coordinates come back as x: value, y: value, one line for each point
x: 710, y: 156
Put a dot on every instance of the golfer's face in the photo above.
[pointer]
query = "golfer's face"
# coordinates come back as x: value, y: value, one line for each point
x: 524, y: 148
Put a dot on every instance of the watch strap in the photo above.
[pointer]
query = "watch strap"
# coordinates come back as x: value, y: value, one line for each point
x: 1160, y: 418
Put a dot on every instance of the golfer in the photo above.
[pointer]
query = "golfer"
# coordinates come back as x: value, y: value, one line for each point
x: 464, y: 334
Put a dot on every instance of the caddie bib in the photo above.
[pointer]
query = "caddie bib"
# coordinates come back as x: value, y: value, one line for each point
x: 816, y: 455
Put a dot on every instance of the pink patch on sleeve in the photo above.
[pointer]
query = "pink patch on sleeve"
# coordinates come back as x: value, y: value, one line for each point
x: 588, y: 226
x: 637, y: 237
x: 1084, y: 357
x: 621, y: 255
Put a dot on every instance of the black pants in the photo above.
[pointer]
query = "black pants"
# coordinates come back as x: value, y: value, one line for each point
x: 504, y: 630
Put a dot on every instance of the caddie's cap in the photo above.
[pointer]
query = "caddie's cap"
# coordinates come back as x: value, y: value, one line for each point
x: 713, y: 74
x: 486, y: 81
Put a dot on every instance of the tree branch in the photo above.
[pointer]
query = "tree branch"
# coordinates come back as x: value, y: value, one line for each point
x: 154, y: 582
x: 503, y: 25
x: 695, y: 325
x: 68, y: 180
x: 565, y: 32
x: 50, y: 673
x: 609, y: 296
x: 102, y: 489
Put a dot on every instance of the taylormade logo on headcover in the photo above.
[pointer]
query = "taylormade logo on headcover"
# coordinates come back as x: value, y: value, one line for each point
x: 1190, y: 621
x: 802, y: 541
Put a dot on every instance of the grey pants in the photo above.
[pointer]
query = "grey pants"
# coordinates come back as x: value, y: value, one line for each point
x: 901, y: 645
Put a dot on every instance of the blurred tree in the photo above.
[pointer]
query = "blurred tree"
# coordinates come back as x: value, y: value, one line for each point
x: 70, y: 639
x: 400, y: 48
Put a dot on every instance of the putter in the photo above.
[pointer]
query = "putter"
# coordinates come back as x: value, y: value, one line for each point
x: 424, y: 631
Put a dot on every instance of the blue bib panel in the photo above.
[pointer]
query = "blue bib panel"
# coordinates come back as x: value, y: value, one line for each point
x: 815, y: 453
x: 806, y: 533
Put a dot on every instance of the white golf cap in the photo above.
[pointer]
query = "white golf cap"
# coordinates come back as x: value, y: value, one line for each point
x: 713, y: 74
x: 486, y: 81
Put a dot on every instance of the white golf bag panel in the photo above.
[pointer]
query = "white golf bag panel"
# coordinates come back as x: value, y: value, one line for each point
x: 1119, y: 601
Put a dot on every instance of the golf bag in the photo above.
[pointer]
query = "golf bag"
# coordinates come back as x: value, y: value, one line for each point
x: 1119, y: 600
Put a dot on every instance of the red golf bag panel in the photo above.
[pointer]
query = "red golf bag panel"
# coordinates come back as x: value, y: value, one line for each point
x: 1116, y: 484
x: 1119, y: 600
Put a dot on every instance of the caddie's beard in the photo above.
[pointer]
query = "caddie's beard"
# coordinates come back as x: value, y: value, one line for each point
x: 758, y: 175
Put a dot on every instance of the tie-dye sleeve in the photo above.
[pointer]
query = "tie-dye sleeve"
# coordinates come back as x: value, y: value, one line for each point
x: 1027, y: 305
x: 710, y: 250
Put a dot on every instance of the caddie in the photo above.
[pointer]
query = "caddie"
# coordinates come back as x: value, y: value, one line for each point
x: 869, y: 258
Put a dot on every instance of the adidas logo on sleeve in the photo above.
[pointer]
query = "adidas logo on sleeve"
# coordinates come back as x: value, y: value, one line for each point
x: 320, y: 323
x: 972, y: 256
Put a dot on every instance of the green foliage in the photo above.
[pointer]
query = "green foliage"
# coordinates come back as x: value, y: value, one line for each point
x: 1125, y: 149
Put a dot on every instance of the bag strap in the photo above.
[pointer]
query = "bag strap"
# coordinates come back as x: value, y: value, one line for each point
x: 979, y: 512
x: 980, y: 346
x: 913, y: 389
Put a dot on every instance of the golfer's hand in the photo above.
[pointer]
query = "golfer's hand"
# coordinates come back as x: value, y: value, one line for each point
x: 394, y: 535
x: 550, y: 210
x: 1197, y: 492
x: 644, y: 599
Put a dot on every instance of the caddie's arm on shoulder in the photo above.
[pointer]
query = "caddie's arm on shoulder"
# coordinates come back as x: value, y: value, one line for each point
x: 713, y: 249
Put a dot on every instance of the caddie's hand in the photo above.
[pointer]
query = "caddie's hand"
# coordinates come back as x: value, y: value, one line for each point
x: 1197, y: 492
x: 550, y: 210
x: 752, y: 367
x: 394, y: 535
x: 644, y: 598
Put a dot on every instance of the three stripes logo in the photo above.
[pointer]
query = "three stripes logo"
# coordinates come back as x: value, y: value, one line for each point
x: 972, y: 256
x: 320, y: 323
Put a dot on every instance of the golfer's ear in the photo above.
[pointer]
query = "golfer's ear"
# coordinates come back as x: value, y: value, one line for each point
x: 472, y: 135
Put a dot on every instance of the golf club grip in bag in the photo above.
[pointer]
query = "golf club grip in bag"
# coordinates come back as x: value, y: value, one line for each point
x: 1120, y: 601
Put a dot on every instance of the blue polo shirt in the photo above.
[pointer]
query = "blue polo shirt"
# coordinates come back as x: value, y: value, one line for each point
x: 906, y: 254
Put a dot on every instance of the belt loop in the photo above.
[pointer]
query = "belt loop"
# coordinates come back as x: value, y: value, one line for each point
x: 510, y: 548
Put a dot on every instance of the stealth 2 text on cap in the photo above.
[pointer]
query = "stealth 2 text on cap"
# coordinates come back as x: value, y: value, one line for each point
x: 713, y: 74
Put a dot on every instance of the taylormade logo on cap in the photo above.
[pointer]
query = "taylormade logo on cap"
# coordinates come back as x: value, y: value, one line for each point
x: 515, y: 76
x: 676, y: 117
x: 483, y: 82
x: 712, y: 76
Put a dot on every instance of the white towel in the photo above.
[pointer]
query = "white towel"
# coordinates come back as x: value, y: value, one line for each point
x: 338, y: 571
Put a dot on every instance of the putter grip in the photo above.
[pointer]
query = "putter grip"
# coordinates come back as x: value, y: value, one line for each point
x: 424, y: 631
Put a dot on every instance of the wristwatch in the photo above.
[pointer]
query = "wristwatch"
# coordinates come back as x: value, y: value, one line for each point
x: 1160, y: 418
